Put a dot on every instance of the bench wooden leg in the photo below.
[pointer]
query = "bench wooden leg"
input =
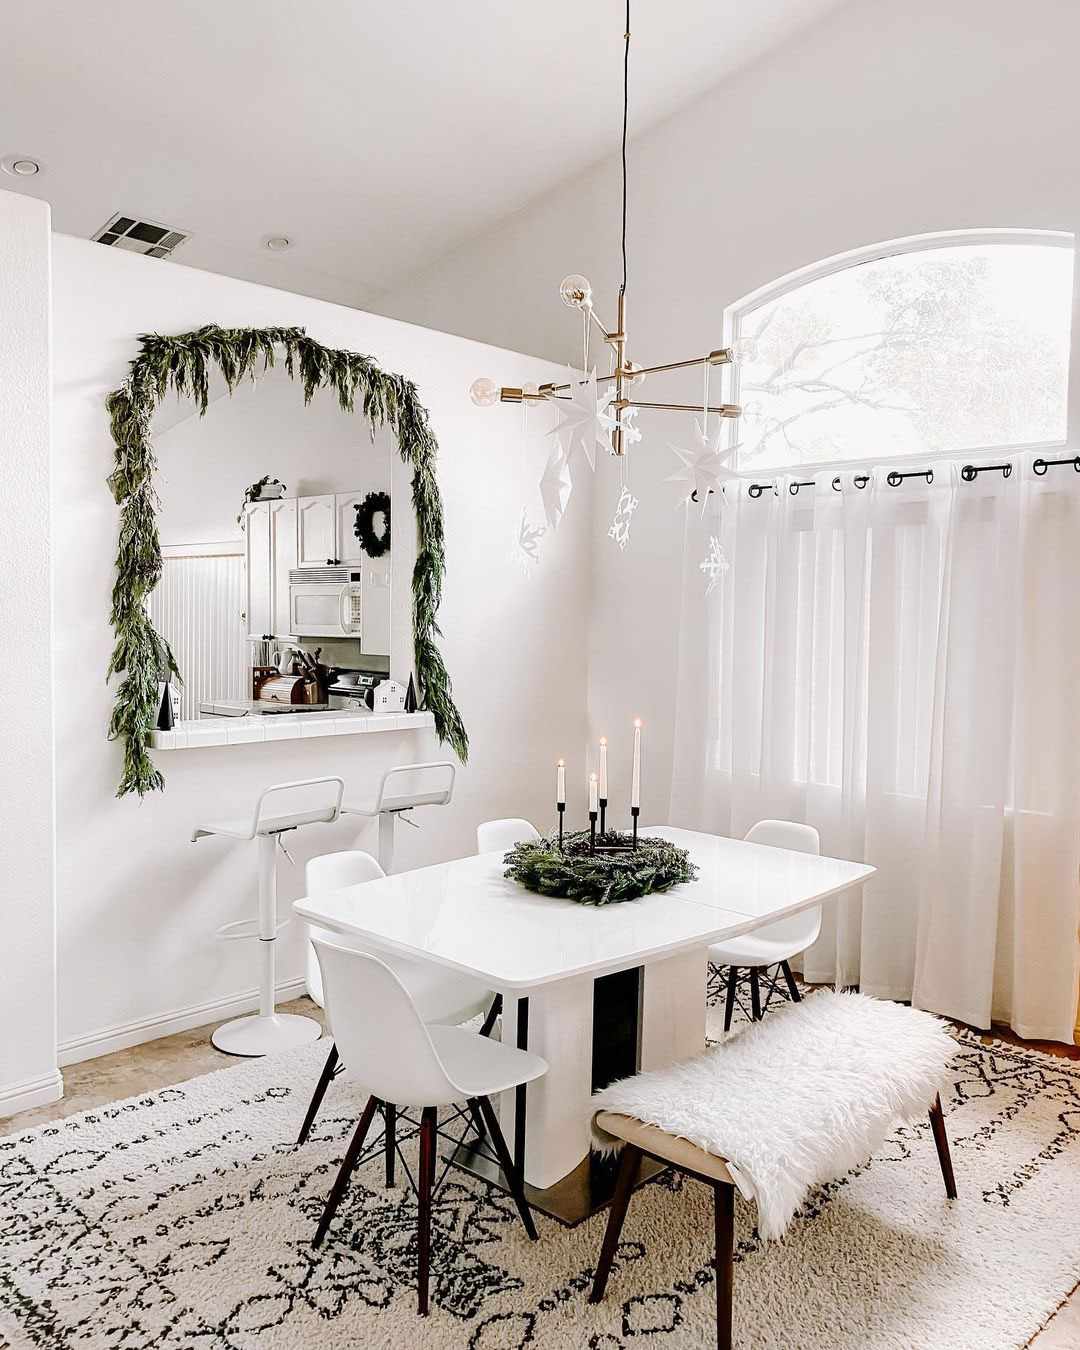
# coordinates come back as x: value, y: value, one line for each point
x: 941, y: 1142
x: 629, y: 1166
x: 724, y: 1207
x: 732, y: 985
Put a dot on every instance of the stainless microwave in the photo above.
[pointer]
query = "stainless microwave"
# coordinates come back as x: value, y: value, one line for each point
x: 326, y: 602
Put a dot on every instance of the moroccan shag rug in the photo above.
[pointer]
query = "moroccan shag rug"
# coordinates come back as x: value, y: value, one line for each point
x: 182, y: 1220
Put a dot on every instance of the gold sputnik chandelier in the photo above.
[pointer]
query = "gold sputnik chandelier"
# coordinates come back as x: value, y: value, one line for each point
x: 605, y: 406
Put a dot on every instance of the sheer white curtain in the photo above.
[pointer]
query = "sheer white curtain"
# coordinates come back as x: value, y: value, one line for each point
x: 900, y: 667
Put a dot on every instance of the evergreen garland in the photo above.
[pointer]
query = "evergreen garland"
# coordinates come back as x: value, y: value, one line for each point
x: 183, y: 363
x: 573, y: 873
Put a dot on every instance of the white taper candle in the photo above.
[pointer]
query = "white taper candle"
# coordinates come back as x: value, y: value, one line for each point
x: 560, y: 783
x: 603, y: 768
x: 592, y: 794
x: 635, y: 782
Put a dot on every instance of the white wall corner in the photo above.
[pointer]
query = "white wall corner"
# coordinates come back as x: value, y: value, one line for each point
x: 28, y: 1064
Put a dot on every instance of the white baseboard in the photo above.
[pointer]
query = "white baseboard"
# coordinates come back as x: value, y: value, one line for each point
x: 31, y: 1092
x: 108, y: 1039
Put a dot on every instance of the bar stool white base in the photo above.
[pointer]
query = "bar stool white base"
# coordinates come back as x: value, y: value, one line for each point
x: 260, y: 1034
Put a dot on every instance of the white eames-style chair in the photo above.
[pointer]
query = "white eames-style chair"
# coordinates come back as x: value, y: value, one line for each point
x: 405, y: 1062
x: 497, y: 836
x: 774, y: 945
x: 439, y: 995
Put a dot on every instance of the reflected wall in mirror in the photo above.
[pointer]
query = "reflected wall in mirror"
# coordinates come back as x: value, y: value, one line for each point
x: 284, y: 607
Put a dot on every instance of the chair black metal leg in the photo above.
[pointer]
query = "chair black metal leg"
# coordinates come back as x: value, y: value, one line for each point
x: 629, y: 1166
x: 732, y: 984
x: 724, y: 1207
x: 941, y: 1142
x: 477, y: 1119
x: 492, y: 1014
x: 320, y: 1092
x: 792, y: 987
x: 514, y: 1178
x: 390, y: 1119
x: 424, y: 1182
x: 349, y: 1162
x: 755, y: 992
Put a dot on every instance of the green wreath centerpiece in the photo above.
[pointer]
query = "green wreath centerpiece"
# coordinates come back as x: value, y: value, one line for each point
x: 374, y: 543
x: 574, y: 872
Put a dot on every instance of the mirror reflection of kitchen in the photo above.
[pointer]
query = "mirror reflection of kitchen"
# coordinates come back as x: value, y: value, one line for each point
x: 275, y: 591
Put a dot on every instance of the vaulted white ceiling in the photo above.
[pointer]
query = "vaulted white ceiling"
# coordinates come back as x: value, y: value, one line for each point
x: 377, y: 136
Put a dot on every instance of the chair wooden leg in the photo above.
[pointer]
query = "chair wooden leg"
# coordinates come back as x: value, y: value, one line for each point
x: 492, y: 1013
x: 425, y: 1181
x: 390, y: 1119
x: 629, y: 1167
x: 792, y: 987
x: 349, y: 1162
x: 732, y: 985
x: 514, y: 1179
x: 755, y: 992
x: 319, y: 1093
x: 724, y: 1208
x: 941, y: 1142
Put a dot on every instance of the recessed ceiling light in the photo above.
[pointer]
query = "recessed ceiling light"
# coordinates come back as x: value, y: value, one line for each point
x: 22, y: 166
x: 277, y: 243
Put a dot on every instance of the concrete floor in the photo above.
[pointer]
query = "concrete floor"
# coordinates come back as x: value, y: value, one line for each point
x: 174, y: 1059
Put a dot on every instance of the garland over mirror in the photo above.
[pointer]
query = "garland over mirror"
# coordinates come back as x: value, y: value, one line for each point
x: 183, y: 364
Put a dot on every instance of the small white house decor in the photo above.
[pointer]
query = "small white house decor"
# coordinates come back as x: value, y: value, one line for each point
x: 389, y: 697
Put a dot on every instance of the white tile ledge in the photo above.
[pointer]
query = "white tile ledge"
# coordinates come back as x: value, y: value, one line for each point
x: 206, y: 732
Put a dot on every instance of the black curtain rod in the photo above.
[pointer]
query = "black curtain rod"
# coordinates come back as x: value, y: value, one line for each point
x: 969, y: 473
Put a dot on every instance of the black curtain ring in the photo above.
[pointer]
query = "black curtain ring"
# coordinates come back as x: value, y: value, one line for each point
x: 1076, y: 463
x: 1006, y: 470
x: 861, y: 480
x: 894, y: 478
x: 836, y: 483
x: 793, y: 488
x: 929, y: 475
x: 754, y: 490
x: 969, y: 473
x: 1040, y: 466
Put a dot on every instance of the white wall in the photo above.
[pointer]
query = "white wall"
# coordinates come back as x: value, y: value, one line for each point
x: 28, y: 1074
x: 137, y: 902
x: 206, y: 463
x: 883, y: 120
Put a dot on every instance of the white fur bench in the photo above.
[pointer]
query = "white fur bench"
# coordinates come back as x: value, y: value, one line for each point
x: 787, y: 1104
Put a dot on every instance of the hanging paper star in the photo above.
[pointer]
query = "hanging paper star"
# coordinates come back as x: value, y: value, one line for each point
x: 581, y: 417
x: 526, y: 550
x: 631, y: 431
x: 703, y: 467
x: 555, y: 487
x: 715, y: 565
x: 620, y: 522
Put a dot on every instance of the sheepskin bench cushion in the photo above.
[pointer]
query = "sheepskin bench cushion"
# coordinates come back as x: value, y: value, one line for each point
x: 790, y: 1102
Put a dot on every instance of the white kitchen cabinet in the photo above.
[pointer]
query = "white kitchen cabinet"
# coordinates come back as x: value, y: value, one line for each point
x: 283, y: 558
x: 348, y: 546
x: 260, y: 617
x: 316, y: 530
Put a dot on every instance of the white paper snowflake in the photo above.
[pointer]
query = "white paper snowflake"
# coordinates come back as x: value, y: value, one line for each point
x: 620, y: 521
x: 715, y: 565
x: 526, y: 547
x: 582, y: 419
x: 703, y: 468
x: 556, y: 486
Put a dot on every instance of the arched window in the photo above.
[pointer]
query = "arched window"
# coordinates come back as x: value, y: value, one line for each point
x: 923, y: 346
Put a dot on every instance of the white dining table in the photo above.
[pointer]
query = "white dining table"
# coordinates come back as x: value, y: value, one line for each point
x: 549, y: 959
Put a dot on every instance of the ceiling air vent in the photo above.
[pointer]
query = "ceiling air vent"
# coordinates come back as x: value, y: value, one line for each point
x: 139, y: 236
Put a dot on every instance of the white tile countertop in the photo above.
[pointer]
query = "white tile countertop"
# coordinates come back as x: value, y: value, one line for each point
x: 210, y: 731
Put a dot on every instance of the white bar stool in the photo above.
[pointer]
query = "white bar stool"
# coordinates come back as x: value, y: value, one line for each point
x: 279, y: 808
x: 404, y: 787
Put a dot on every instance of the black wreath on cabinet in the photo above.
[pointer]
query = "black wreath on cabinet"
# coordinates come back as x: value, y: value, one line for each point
x: 374, y: 504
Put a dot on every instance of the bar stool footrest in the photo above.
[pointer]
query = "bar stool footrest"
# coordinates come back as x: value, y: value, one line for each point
x: 246, y: 928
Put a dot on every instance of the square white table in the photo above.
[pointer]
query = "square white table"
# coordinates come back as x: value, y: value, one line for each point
x: 545, y: 955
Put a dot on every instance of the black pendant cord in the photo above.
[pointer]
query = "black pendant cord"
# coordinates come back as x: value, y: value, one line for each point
x: 625, y: 121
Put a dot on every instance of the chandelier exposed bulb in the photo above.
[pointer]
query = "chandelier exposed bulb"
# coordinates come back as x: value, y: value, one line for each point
x: 484, y: 392
x: 576, y: 292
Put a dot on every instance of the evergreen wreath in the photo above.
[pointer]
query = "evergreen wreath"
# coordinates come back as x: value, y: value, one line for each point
x: 374, y: 504
x: 574, y: 873
x: 182, y: 363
